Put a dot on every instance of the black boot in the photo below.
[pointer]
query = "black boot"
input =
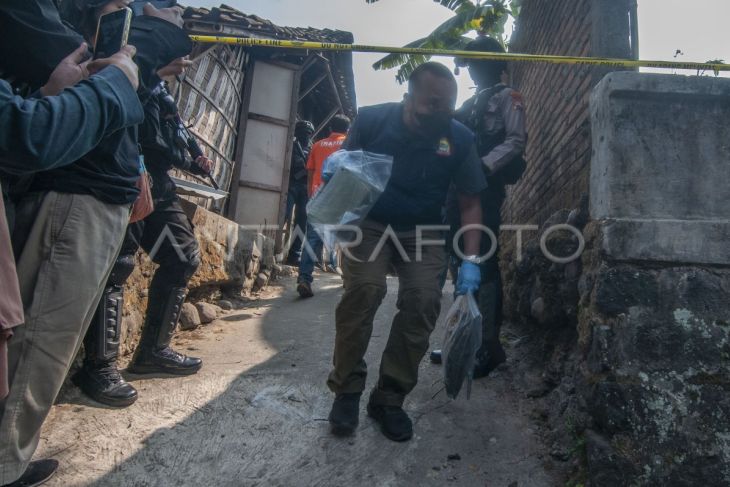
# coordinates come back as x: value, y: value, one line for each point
x: 154, y: 355
x: 99, y: 378
x: 394, y: 422
x: 344, y: 416
x: 103, y: 383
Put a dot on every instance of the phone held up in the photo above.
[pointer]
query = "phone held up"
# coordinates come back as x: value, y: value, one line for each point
x: 112, y: 33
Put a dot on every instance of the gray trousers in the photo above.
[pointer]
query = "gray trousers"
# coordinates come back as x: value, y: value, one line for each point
x: 66, y: 247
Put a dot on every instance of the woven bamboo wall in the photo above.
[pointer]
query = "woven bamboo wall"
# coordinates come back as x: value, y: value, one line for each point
x: 210, y: 101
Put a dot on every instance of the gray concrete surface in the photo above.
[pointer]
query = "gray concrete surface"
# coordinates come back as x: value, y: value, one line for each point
x: 256, y: 416
x: 660, y: 166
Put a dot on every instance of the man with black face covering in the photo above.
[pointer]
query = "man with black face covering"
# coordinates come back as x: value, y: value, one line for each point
x: 496, y: 114
x: 430, y: 151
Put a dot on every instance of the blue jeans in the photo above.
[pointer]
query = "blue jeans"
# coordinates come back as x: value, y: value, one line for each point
x: 313, y: 247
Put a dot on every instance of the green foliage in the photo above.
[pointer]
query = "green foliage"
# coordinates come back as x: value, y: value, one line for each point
x: 713, y: 61
x: 484, y: 18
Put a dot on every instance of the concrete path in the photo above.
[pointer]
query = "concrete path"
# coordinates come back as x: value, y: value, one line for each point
x: 256, y: 415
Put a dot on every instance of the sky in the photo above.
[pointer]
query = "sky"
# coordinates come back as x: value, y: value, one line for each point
x: 696, y: 28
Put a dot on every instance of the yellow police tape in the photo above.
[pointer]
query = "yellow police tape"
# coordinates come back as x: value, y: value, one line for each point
x: 331, y: 46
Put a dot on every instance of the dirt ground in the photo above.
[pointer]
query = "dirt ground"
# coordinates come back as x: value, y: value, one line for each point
x: 256, y: 415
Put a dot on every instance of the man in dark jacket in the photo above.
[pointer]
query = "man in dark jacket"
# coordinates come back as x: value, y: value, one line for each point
x: 68, y: 232
x: 38, y: 134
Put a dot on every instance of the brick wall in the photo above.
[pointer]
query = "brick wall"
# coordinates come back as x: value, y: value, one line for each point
x: 556, y: 96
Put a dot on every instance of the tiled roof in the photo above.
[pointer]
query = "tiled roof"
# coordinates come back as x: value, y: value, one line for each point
x: 227, y: 20
x: 232, y: 18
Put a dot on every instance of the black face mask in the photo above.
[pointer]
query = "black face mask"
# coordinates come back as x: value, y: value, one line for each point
x: 433, y: 123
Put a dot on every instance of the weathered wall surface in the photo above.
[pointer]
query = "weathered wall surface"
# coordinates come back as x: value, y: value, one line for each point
x: 556, y: 183
x: 540, y: 295
x: 654, y: 327
x: 557, y: 98
x: 232, y: 261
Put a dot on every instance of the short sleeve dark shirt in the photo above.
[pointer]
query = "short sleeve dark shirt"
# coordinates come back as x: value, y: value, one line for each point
x: 423, y: 168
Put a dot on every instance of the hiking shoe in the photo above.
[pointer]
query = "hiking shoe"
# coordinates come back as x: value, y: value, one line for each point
x: 394, y: 422
x: 305, y: 290
x: 103, y: 383
x: 344, y: 416
x: 37, y: 473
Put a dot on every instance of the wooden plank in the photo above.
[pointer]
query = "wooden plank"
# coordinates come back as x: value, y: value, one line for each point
x: 265, y: 187
x: 211, y: 146
x: 240, y: 137
x: 275, y: 121
x: 207, y: 98
x: 326, y: 120
x: 313, y: 85
x: 279, y: 241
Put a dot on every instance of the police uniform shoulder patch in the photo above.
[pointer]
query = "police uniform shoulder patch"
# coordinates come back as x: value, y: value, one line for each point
x: 444, y: 147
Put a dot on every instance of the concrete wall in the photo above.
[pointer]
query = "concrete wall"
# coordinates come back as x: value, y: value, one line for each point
x: 654, y: 328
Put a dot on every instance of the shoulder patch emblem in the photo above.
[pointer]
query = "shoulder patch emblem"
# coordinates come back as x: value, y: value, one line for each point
x: 444, y: 147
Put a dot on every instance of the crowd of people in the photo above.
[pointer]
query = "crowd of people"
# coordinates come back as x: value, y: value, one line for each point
x: 85, y: 150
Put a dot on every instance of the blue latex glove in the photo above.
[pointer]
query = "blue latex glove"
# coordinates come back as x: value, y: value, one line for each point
x: 470, y: 276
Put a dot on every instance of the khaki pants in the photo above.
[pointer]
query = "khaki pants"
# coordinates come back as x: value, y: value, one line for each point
x: 419, y: 304
x: 69, y: 243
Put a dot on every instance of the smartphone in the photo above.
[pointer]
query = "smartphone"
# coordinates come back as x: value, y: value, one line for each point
x: 112, y: 33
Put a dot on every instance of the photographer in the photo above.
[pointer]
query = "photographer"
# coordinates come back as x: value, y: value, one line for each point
x: 68, y: 232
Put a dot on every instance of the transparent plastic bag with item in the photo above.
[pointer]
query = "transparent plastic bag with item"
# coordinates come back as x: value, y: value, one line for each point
x: 354, y: 180
x: 462, y: 340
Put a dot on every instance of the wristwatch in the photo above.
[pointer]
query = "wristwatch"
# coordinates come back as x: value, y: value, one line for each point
x: 474, y: 259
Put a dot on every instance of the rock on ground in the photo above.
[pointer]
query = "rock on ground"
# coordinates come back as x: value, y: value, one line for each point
x: 189, y: 318
x: 207, y: 312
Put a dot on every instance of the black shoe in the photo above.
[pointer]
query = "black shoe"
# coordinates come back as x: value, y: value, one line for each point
x: 394, y: 422
x: 436, y: 357
x: 164, y: 361
x: 344, y: 416
x: 37, y: 473
x: 305, y: 290
x: 486, y: 363
x: 104, y: 384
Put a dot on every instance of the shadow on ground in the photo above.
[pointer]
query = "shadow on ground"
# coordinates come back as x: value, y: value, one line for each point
x: 256, y: 416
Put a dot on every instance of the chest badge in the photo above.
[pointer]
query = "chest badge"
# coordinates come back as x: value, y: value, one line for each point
x: 444, y: 149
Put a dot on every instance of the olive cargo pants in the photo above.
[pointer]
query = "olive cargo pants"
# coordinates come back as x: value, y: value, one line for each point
x: 419, y: 304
